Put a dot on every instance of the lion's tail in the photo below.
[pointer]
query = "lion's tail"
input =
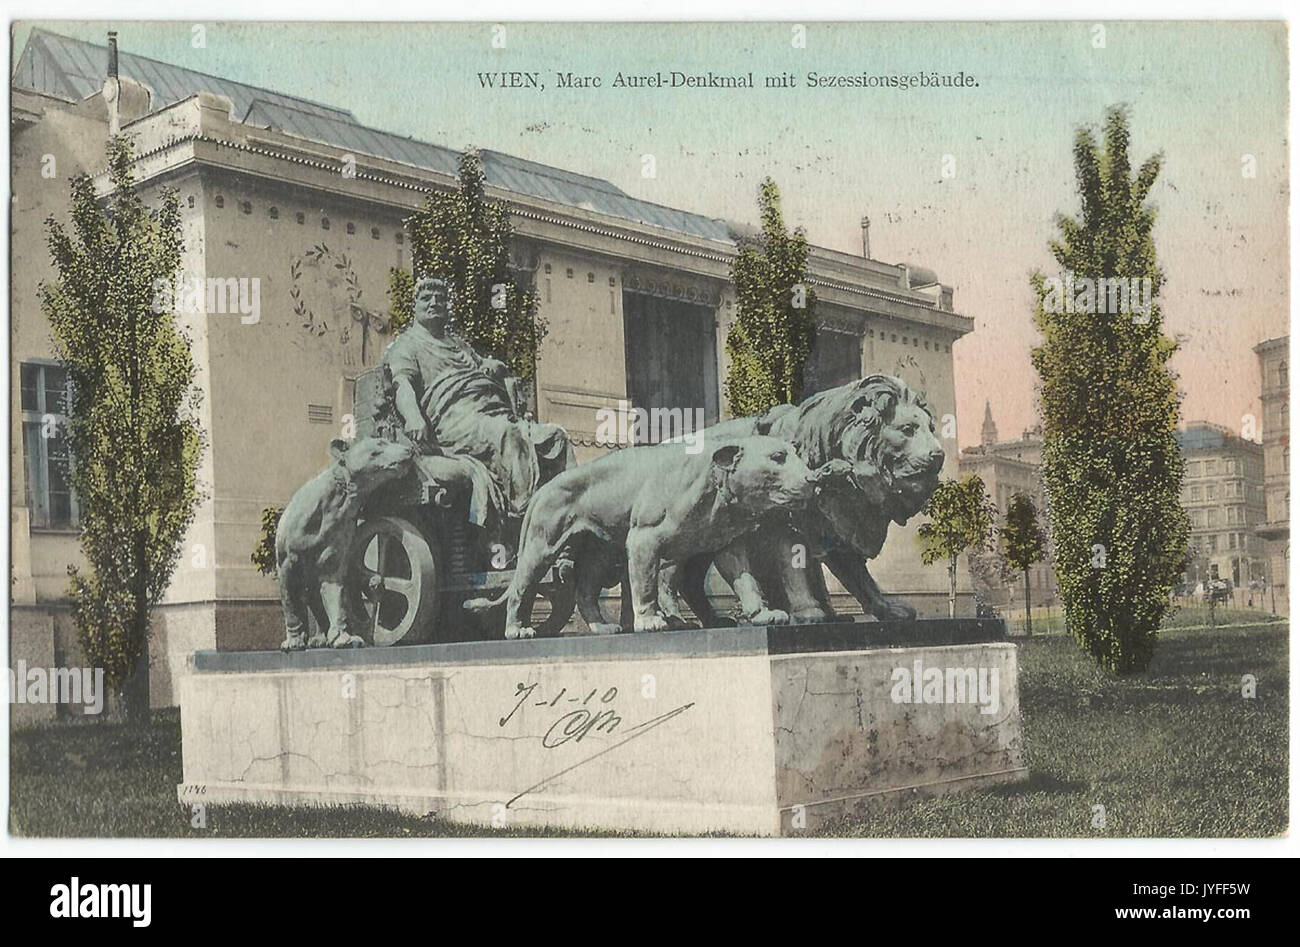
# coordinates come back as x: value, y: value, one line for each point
x: 480, y: 605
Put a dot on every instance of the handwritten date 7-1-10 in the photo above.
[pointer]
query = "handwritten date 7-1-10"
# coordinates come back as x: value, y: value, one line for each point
x: 593, y: 712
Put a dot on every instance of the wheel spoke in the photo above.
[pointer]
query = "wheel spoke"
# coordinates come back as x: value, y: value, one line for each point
x: 402, y: 587
x: 396, y: 578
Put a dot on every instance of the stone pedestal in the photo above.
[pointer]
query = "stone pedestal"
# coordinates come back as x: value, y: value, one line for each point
x: 756, y: 731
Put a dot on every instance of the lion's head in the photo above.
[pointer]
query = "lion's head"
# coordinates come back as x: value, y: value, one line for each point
x: 885, y: 430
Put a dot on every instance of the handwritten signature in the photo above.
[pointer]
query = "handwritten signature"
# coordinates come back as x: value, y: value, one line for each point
x: 574, y: 725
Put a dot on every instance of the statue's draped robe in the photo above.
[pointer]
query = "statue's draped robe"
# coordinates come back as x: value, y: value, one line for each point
x: 471, y: 416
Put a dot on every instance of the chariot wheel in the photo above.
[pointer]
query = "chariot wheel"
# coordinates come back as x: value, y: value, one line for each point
x: 394, y: 582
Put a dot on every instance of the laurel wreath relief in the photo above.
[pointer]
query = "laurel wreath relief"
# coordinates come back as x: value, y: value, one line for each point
x: 321, y: 258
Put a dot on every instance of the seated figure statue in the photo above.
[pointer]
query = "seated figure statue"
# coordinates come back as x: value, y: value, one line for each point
x: 453, y: 401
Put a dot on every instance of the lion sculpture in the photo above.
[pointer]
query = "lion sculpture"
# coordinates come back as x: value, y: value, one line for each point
x: 661, y: 503
x: 886, y: 432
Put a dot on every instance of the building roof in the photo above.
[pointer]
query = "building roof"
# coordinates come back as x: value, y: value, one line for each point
x: 1202, y: 435
x: 73, y: 69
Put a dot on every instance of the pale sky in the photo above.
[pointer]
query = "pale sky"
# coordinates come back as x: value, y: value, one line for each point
x: 1206, y: 94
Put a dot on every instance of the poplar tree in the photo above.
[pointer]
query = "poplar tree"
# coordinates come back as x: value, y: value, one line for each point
x: 464, y: 237
x: 1111, y: 465
x: 772, y: 334
x: 132, y: 430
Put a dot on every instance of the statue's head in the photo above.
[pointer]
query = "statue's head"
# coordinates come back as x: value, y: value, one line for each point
x: 432, y: 302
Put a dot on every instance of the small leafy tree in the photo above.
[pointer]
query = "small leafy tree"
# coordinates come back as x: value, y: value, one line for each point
x: 264, y: 552
x: 464, y: 237
x: 772, y: 335
x: 1023, y: 543
x: 1111, y: 465
x: 132, y: 431
x: 961, y: 518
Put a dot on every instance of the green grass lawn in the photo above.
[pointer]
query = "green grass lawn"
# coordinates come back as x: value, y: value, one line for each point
x: 1051, y: 621
x: 1173, y: 752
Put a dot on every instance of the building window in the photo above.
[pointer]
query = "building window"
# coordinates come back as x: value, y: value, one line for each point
x: 219, y: 201
x: 1282, y: 380
x: 374, y: 233
x: 351, y: 227
x: 836, y: 359
x: 324, y: 223
x: 400, y: 238
x: 301, y: 217
x: 670, y: 357
x: 246, y: 207
x: 274, y: 213
x: 45, y: 447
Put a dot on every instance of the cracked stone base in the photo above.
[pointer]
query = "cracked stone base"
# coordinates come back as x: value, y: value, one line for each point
x: 748, y: 731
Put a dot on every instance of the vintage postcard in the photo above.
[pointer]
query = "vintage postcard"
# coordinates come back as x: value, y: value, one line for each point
x: 564, y: 429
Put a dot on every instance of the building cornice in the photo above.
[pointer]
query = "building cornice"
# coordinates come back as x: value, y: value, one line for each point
x: 552, y: 223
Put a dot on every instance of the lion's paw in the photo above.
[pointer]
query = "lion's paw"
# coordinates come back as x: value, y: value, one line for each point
x: 894, y: 611
x: 650, y: 623
x: 296, y: 642
x: 769, y: 616
x: 604, y: 628
x: 514, y: 632
x: 811, y: 616
x: 346, y: 641
x: 317, y: 640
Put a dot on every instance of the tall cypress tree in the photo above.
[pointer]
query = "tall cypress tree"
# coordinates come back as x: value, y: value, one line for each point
x: 772, y: 335
x: 1111, y: 466
x: 133, y: 432
x: 464, y: 237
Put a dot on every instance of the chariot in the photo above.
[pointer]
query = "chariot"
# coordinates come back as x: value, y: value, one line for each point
x: 418, y: 554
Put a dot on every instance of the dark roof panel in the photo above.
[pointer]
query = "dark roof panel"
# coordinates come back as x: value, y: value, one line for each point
x: 74, y: 69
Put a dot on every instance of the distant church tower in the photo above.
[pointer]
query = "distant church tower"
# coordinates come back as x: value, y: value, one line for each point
x: 989, y: 430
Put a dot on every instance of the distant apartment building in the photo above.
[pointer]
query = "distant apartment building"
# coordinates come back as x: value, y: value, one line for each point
x: 1275, y: 530
x: 1223, y: 493
x: 1008, y: 468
